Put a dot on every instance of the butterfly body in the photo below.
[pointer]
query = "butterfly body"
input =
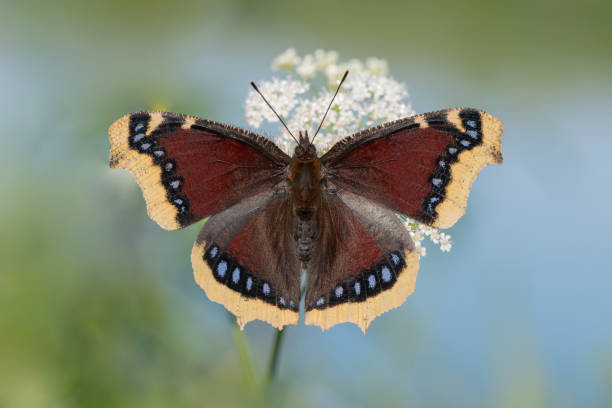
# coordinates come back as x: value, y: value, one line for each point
x: 335, y: 215
x: 305, y: 181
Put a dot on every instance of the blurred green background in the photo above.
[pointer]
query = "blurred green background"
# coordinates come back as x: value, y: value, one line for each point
x: 98, y: 306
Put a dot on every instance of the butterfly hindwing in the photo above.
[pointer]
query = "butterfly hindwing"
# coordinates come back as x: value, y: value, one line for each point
x: 245, y: 259
x: 364, y: 264
x: 422, y: 166
x: 189, y: 168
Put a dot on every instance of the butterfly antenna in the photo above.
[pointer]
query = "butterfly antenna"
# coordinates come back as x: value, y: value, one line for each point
x: 270, y: 106
x: 330, y: 104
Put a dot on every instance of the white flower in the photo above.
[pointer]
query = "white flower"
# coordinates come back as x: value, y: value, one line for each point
x: 419, y: 231
x: 307, y: 69
x: 282, y: 94
x: 377, y: 66
x: 368, y: 97
x: 445, y: 244
x: 324, y: 59
x: 333, y: 73
x: 286, y: 60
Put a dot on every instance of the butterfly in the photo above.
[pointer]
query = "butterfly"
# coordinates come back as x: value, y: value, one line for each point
x: 271, y: 215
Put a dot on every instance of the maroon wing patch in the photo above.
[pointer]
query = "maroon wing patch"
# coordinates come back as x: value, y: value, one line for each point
x: 422, y: 166
x: 246, y: 259
x: 189, y: 168
x: 364, y: 263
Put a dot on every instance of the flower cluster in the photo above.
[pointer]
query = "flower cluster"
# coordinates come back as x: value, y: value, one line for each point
x: 418, y: 232
x: 368, y: 97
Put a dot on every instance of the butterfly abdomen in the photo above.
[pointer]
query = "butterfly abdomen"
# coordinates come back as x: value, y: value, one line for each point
x: 305, y: 235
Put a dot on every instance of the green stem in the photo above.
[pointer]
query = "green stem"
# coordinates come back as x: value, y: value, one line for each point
x: 244, y: 353
x: 272, y: 366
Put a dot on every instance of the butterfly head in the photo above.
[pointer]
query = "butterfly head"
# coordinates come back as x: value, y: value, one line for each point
x: 305, y: 150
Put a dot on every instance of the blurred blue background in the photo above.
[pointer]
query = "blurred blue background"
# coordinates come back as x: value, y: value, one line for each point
x: 98, y: 306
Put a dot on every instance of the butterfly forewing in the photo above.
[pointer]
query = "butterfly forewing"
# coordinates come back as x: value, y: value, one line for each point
x: 190, y: 168
x: 422, y: 166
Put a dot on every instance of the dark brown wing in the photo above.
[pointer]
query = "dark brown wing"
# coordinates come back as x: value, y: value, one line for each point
x: 189, y: 168
x: 245, y: 258
x: 422, y: 166
x: 364, y: 263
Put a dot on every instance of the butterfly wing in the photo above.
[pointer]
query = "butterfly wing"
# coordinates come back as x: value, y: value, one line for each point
x: 364, y: 263
x: 189, y: 168
x: 422, y: 166
x: 245, y: 259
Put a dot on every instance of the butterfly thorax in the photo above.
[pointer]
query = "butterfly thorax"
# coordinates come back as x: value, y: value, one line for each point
x: 305, y: 188
x: 305, y: 175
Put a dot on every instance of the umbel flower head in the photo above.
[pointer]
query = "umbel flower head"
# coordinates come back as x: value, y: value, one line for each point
x: 368, y: 97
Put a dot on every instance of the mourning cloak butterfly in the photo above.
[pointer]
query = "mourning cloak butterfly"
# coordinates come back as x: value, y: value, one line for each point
x: 272, y: 215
